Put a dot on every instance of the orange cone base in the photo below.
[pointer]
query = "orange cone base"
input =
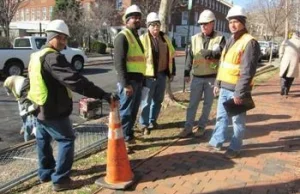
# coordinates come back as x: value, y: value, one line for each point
x: 116, y: 186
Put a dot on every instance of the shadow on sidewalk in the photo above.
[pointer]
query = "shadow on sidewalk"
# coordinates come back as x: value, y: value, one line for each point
x: 254, y: 131
x: 253, y: 118
x: 285, y: 187
x: 284, y: 144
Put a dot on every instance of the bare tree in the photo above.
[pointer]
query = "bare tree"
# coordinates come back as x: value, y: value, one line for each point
x: 268, y: 17
x: 164, y: 14
x: 148, y: 6
x: 8, y: 9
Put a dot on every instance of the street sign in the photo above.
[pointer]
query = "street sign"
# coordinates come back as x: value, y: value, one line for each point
x: 190, y: 4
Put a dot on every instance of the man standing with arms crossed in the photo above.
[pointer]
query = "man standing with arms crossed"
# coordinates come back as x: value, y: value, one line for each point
x: 130, y: 65
x: 160, y: 64
x: 203, y: 60
x: 235, y: 80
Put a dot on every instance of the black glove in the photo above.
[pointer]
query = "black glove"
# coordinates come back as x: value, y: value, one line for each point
x: 111, y: 97
x: 207, y: 54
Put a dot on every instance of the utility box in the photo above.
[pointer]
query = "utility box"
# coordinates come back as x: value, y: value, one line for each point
x: 88, y: 107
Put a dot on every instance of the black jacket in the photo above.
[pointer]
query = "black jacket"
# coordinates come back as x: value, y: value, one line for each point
x: 120, y: 55
x: 58, y: 74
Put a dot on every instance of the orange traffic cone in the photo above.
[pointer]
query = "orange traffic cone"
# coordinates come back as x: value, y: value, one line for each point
x: 118, y: 171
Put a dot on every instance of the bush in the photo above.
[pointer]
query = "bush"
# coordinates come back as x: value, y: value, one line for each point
x: 98, y: 47
x: 5, y: 43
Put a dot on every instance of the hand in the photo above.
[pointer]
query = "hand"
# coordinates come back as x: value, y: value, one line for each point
x: 237, y: 100
x: 207, y: 54
x: 187, y: 79
x: 171, y: 78
x: 216, y: 91
x: 128, y: 90
x: 109, y: 97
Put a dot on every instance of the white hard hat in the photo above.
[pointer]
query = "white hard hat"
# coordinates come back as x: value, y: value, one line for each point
x: 132, y: 9
x: 152, y: 17
x: 58, y: 26
x: 13, y: 84
x: 236, y: 11
x: 206, y: 16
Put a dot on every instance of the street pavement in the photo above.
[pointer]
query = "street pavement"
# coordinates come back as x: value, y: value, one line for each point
x: 269, y: 162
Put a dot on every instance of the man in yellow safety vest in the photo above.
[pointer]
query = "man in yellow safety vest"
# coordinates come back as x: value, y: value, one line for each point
x: 160, y: 64
x: 202, y: 59
x: 51, y: 79
x: 130, y: 64
x: 235, y: 75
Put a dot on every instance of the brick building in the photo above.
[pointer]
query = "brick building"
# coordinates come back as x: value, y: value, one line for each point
x: 34, y: 15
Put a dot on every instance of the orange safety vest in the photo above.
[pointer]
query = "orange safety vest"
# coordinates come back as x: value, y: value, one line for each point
x: 229, y: 70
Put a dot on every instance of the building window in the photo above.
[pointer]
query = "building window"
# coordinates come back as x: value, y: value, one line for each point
x: 38, y: 14
x: 206, y: 3
x: 17, y: 16
x: 32, y: 14
x: 44, y: 17
x: 184, y: 17
x: 217, y: 6
x: 50, y: 12
x: 27, y: 15
x: 213, y: 4
x: 196, y: 17
x: 202, y: 2
x: 119, y: 4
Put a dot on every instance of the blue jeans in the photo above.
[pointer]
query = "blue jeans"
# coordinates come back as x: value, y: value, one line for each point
x: 29, y: 122
x: 61, y: 131
x: 151, y: 105
x: 199, y: 87
x: 222, y: 121
x: 129, y: 106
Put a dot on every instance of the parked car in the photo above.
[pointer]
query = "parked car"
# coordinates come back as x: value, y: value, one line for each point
x: 13, y: 61
x: 265, y: 49
x: 275, y: 48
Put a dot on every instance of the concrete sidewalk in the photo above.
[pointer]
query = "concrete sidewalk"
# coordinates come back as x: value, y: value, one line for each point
x: 269, y: 162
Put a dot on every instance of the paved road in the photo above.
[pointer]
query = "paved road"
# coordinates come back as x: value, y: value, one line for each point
x: 102, y: 75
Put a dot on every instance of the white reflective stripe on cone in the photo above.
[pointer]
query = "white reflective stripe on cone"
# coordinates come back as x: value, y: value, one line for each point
x: 115, y: 133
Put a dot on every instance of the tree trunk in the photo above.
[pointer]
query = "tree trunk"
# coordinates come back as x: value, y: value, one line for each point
x: 164, y: 13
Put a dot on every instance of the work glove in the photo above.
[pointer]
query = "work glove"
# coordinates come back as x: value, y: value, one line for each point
x: 207, y: 54
x: 109, y: 97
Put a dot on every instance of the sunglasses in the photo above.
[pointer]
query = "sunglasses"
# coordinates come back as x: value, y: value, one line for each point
x: 203, y: 24
x: 155, y: 24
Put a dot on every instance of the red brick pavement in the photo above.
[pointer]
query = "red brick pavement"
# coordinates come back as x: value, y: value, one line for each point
x: 269, y: 161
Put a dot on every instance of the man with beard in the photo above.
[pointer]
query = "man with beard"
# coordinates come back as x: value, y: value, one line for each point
x: 130, y: 65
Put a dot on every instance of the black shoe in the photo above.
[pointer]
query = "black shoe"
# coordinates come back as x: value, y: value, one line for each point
x: 65, y: 184
x: 153, y: 125
x: 45, y: 180
x: 185, y: 133
x: 232, y: 154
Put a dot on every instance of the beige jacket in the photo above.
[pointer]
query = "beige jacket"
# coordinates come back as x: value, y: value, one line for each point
x: 289, y: 54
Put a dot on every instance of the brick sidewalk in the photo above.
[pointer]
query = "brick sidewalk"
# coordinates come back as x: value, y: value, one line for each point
x: 269, y: 161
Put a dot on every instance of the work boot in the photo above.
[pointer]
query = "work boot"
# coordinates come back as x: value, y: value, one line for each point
x: 232, y: 154
x: 200, y: 132
x: 215, y: 148
x: 153, y: 125
x: 65, y: 184
x: 185, y: 133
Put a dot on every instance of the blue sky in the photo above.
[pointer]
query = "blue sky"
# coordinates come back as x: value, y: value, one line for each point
x: 242, y: 3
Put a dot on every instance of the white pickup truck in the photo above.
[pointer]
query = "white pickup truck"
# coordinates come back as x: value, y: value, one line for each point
x: 13, y: 61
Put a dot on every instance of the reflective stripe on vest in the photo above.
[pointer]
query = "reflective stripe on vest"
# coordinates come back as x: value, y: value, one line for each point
x: 145, y: 39
x: 229, y: 70
x: 135, y: 62
x: 202, y: 66
x: 38, y: 91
